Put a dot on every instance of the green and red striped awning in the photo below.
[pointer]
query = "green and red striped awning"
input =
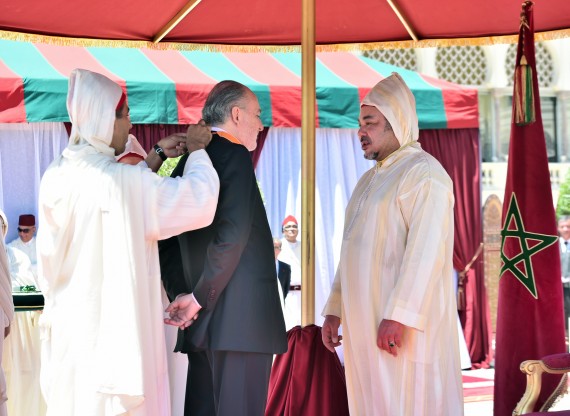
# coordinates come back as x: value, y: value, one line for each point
x: 171, y: 86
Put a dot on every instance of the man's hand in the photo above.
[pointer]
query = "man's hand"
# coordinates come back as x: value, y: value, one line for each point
x: 183, y: 311
x: 198, y: 136
x: 329, y: 333
x: 173, y: 145
x: 390, y: 336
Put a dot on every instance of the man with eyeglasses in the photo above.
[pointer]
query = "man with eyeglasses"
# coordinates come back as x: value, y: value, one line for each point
x: 291, y: 254
x: 26, y: 241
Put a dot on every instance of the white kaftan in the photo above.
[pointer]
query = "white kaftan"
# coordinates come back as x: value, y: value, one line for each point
x: 29, y: 249
x: 103, y: 345
x: 21, y: 359
x: 396, y: 264
x: 6, y: 313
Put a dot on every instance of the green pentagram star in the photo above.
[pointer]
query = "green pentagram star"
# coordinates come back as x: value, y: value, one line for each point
x: 519, y: 232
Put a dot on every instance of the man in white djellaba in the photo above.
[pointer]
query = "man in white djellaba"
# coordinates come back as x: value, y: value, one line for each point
x: 103, y: 348
x: 6, y: 307
x: 393, y: 287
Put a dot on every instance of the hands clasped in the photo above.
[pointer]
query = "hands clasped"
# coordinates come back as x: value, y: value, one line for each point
x: 183, y: 311
x: 197, y: 137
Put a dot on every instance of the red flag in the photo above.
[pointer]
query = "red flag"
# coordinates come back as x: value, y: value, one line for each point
x: 530, y: 317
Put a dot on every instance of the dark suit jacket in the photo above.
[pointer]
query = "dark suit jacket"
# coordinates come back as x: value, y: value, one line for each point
x: 284, y: 276
x: 229, y: 265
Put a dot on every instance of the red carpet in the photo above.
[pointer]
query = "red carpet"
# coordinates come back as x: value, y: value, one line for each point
x: 477, y: 389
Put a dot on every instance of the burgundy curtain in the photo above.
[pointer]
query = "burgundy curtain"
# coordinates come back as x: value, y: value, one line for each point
x: 458, y: 152
x: 149, y: 134
x: 260, y: 143
x: 308, y: 379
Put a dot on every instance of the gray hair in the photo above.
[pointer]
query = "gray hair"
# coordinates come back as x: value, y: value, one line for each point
x: 564, y: 218
x: 224, y: 96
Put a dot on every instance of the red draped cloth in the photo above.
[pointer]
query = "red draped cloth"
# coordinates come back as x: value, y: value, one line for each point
x: 308, y: 379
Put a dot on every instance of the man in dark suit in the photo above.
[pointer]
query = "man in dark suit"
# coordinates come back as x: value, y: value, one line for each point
x: 283, y: 269
x: 229, y: 273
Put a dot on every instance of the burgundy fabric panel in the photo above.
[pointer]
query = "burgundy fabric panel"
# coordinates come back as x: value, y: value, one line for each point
x: 67, y: 125
x: 458, y: 152
x: 255, y: 155
x: 149, y: 134
x: 308, y: 379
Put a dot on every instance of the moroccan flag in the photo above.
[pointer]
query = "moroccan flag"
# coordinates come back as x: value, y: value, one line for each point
x: 530, y: 317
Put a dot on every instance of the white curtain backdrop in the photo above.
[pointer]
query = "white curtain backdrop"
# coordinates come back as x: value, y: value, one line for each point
x: 26, y: 150
x: 339, y: 165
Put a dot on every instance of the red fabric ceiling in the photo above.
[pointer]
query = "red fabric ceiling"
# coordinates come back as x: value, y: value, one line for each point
x: 276, y: 22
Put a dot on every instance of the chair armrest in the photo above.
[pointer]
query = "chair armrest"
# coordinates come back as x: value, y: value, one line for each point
x: 557, y: 364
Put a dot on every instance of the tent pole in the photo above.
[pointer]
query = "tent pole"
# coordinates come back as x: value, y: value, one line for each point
x: 165, y: 30
x: 402, y: 19
x: 308, y: 165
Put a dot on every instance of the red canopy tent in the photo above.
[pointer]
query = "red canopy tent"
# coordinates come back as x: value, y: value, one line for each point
x: 278, y: 22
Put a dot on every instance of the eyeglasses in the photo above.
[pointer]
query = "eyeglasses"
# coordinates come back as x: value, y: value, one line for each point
x: 290, y: 227
x: 24, y: 230
x: 277, y: 247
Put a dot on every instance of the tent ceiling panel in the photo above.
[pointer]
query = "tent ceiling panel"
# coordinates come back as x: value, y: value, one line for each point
x: 171, y: 86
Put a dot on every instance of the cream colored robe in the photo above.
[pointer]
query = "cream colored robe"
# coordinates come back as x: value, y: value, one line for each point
x: 6, y: 313
x: 396, y: 263
x: 29, y: 248
x: 21, y: 359
x: 103, y: 346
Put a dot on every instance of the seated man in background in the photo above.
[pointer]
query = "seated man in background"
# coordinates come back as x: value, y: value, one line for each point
x: 26, y: 241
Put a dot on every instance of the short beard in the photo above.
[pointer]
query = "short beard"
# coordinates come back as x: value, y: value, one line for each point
x: 371, y: 156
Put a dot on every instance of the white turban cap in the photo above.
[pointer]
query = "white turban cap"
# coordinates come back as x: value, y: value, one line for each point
x: 395, y: 101
x: 92, y: 99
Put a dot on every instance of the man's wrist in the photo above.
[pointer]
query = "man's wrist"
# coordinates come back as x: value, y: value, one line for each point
x: 160, y: 152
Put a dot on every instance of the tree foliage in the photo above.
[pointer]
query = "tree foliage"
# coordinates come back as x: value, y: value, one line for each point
x: 563, y: 204
x: 168, y: 166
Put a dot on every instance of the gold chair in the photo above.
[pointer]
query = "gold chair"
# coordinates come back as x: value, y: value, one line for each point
x: 551, y: 364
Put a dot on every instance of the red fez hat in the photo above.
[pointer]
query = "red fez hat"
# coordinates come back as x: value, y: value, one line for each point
x: 121, y: 101
x: 289, y: 218
x: 27, y: 220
